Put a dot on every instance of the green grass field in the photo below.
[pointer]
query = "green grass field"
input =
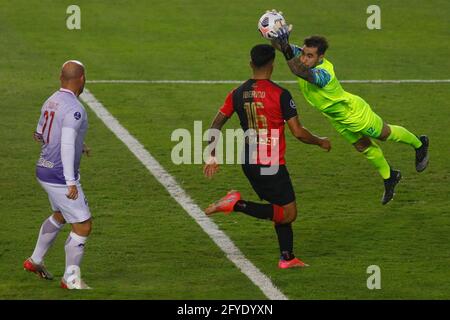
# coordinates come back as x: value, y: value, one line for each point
x: 144, y: 245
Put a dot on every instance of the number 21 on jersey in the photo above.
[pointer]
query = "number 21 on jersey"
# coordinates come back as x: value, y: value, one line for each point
x: 47, y: 125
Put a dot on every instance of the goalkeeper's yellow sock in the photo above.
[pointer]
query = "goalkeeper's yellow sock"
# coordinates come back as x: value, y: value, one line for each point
x: 375, y: 155
x: 400, y: 134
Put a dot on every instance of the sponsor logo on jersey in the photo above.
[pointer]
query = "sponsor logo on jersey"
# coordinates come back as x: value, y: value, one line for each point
x: 292, y: 104
x: 77, y: 115
x: 371, y: 130
x: 45, y: 163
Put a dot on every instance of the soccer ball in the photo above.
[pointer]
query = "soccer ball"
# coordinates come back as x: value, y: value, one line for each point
x: 269, y: 23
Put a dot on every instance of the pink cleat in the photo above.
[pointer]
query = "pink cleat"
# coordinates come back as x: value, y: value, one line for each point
x: 294, y: 263
x: 226, y: 204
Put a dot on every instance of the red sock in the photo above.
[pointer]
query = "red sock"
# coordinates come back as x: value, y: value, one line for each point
x: 278, y: 214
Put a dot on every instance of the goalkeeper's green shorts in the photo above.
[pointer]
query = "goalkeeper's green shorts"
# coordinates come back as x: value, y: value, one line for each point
x: 354, y: 119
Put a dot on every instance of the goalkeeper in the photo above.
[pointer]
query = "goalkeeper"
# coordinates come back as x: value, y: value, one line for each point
x: 349, y: 114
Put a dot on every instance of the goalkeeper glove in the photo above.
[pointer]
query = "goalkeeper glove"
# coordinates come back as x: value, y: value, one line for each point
x: 283, y: 40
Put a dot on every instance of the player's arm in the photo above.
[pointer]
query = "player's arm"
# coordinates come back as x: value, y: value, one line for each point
x: 86, y: 150
x: 297, y: 51
x: 275, y: 44
x: 295, y: 64
x: 68, y: 137
x: 69, y: 132
x: 289, y: 111
x: 225, y: 112
x: 305, y: 136
x: 37, y: 135
x: 211, y: 166
x: 291, y: 53
x: 300, y: 70
x: 216, y: 126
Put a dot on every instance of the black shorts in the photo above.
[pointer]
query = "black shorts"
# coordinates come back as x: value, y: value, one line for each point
x: 276, y: 189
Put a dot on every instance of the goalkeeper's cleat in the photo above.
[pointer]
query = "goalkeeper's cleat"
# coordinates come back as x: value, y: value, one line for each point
x: 389, y: 186
x: 39, y: 269
x: 77, y: 284
x: 293, y: 263
x: 422, y: 154
x: 226, y: 204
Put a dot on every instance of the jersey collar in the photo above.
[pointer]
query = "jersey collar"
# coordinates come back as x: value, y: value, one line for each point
x: 68, y: 91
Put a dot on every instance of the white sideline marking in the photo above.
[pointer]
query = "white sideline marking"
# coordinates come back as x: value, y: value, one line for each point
x: 211, y: 229
x: 278, y: 81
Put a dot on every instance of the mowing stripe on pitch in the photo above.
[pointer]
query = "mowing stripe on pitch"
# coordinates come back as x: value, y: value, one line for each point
x: 381, y: 81
x: 213, y: 231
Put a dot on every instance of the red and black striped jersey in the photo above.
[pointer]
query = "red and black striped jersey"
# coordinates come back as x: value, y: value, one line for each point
x: 264, y: 107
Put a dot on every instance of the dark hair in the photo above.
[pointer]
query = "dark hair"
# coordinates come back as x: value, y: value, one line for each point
x: 262, y: 54
x: 318, y: 42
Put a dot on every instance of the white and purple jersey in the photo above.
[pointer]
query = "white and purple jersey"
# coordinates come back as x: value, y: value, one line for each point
x: 63, y: 125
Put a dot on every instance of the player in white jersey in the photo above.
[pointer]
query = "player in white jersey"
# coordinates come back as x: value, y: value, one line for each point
x: 61, y: 130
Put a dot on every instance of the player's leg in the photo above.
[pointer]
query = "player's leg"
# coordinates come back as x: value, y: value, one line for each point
x: 285, y: 237
x: 374, y: 154
x: 74, y: 248
x: 369, y: 125
x: 284, y: 231
x: 48, y: 232
x: 282, y: 216
x: 375, y: 127
x: 371, y: 151
x: 77, y: 213
x: 401, y: 134
x: 364, y: 145
x: 264, y: 186
x: 233, y: 202
x: 282, y: 210
x: 47, y: 235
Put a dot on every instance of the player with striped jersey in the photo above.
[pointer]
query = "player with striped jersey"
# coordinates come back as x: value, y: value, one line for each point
x: 264, y: 108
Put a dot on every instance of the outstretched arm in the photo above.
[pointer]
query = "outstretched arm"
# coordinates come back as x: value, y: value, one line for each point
x: 305, y: 136
x: 292, y: 53
x: 300, y: 70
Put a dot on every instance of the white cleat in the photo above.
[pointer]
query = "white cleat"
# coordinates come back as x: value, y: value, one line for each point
x: 74, y: 283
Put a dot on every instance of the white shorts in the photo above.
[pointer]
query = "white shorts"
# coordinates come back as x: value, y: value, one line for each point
x: 73, y: 211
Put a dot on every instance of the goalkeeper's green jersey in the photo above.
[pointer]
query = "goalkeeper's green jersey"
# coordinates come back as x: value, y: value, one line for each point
x: 327, y: 95
x: 326, y: 91
x: 347, y: 112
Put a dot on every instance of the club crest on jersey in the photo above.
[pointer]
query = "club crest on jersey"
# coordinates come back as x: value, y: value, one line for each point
x: 292, y: 104
x: 77, y: 115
